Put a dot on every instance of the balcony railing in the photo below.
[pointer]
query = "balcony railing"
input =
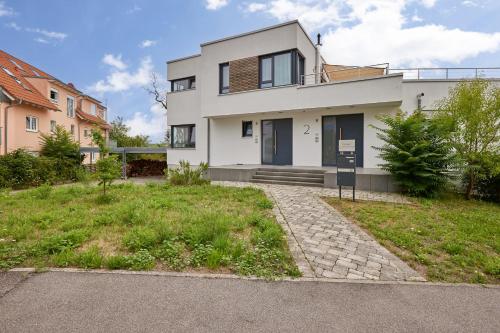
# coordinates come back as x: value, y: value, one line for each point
x: 456, y: 73
x: 434, y: 73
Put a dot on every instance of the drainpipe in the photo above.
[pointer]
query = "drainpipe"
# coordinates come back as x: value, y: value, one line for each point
x: 317, y: 61
x: 6, y: 122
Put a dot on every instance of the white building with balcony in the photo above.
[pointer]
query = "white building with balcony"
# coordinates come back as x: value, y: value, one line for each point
x: 264, y: 106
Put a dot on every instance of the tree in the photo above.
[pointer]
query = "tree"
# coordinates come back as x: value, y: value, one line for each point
x: 120, y: 133
x: 472, y: 112
x: 61, y: 147
x: 415, y: 153
x: 159, y: 94
x: 108, y: 167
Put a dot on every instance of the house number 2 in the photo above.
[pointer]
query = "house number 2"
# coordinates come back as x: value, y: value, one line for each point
x: 307, y: 129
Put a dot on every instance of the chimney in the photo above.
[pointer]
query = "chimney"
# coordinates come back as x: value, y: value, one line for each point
x: 317, y: 61
x: 71, y: 85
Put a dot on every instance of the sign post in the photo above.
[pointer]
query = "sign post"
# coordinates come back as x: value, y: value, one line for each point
x: 346, y: 166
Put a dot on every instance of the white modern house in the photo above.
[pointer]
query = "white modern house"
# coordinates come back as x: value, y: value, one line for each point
x: 264, y: 106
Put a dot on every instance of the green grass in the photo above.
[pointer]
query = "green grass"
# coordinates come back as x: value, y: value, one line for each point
x: 200, y: 228
x: 447, y: 239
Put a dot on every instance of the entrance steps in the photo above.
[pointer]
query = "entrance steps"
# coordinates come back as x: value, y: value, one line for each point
x: 283, y: 176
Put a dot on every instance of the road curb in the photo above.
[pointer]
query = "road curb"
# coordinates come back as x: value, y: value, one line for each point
x: 248, y: 278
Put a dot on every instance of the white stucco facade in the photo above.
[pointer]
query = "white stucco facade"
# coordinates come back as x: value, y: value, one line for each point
x: 218, y: 117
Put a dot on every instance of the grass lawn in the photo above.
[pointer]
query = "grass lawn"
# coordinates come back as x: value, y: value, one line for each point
x: 141, y: 227
x: 447, y: 239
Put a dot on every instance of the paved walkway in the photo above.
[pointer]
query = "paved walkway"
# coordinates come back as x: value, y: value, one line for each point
x: 324, y: 243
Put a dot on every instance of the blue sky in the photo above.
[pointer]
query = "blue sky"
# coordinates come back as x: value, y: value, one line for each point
x: 107, y: 48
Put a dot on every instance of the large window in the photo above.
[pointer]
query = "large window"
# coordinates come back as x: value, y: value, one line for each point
x: 281, y: 69
x: 31, y: 124
x: 184, y: 136
x: 70, y: 106
x: 183, y: 84
x: 224, y: 78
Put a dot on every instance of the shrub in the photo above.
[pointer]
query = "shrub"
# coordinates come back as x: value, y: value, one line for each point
x: 487, y: 184
x: 186, y: 175
x: 415, y: 153
x: 61, y: 147
x: 19, y: 169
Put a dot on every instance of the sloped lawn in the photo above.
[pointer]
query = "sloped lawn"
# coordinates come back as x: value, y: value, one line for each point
x: 448, y: 239
x: 153, y: 226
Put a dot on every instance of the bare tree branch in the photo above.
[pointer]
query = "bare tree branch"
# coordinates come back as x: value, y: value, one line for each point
x: 155, y: 90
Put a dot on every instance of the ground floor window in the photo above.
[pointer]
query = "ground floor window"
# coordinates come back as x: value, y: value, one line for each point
x: 184, y: 136
x: 93, y: 156
x: 247, y: 130
x: 53, y: 126
x: 32, y: 124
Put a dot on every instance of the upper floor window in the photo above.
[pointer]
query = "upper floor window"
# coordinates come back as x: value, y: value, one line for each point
x: 54, y: 95
x: 93, y: 109
x: 280, y: 69
x: 183, y: 136
x: 70, y: 107
x: 53, y: 126
x: 72, y: 129
x: 224, y: 78
x: 183, y: 84
x: 31, y: 124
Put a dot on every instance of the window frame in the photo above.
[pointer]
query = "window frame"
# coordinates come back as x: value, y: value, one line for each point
x: 73, y: 104
x: 191, y: 83
x: 93, y: 109
x: 56, y: 100
x: 53, y: 128
x: 243, y: 127
x: 224, y: 89
x: 190, y: 127
x: 72, y: 129
x: 30, y: 129
x: 294, y: 68
x: 85, y: 133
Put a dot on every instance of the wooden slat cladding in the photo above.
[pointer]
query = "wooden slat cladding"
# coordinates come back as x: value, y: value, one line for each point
x: 339, y: 73
x: 244, y: 74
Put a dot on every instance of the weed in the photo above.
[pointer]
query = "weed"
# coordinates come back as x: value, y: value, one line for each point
x: 90, y: 258
x: 117, y: 262
x: 141, y: 260
x: 140, y: 238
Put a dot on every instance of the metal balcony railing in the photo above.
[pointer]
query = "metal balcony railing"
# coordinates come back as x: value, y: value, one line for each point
x: 431, y: 73
x: 455, y: 73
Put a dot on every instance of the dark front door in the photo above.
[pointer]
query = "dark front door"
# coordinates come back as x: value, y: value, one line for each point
x: 342, y: 127
x: 277, y: 141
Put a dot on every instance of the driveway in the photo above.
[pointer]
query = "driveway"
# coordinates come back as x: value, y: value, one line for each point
x: 111, y: 302
x: 324, y: 243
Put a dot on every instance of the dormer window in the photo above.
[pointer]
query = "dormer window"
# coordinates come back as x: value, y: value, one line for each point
x: 183, y: 84
x: 54, y: 95
x: 93, y: 109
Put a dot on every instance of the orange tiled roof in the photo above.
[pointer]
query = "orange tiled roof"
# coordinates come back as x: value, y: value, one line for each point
x: 15, y: 84
x: 92, y: 119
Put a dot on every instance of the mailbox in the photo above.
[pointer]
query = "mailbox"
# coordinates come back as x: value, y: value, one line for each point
x: 346, y: 172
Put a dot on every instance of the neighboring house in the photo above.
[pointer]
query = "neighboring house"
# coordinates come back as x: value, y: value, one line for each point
x: 267, y: 97
x: 34, y: 102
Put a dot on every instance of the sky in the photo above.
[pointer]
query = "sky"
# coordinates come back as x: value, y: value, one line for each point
x: 109, y: 49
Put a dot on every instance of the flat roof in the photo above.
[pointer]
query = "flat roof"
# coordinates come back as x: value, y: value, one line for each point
x: 247, y: 34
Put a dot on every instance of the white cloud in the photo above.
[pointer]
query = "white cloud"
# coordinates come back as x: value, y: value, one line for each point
x: 41, y: 40
x: 48, y: 34
x: 134, y: 9
x: 114, y: 61
x: 122, y: 80
x: 147, y: 43
x: 416, y: 18
x: 255, y: 7
x: 215, y: 4
x: 13, y: 25
x: 363, y: 32
x: 152, y: 123
x: 470, y: 3
x: 5, y: 11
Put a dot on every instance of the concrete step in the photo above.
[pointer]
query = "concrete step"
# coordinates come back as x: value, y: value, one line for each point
x: 281, y: 182
x: 290, y: 170
x: 290, y: 174
x: 290, y: 178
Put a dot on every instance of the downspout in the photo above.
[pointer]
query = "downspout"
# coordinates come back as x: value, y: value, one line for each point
x: 317, y: 61
x: 208, y: 141
x: 6, y: 122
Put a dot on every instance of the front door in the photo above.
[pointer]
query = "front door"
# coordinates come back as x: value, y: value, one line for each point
x: 342, y: 127
x: 277, y: 137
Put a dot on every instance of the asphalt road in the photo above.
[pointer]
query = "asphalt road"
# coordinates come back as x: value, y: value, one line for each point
x: 89, y: 302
